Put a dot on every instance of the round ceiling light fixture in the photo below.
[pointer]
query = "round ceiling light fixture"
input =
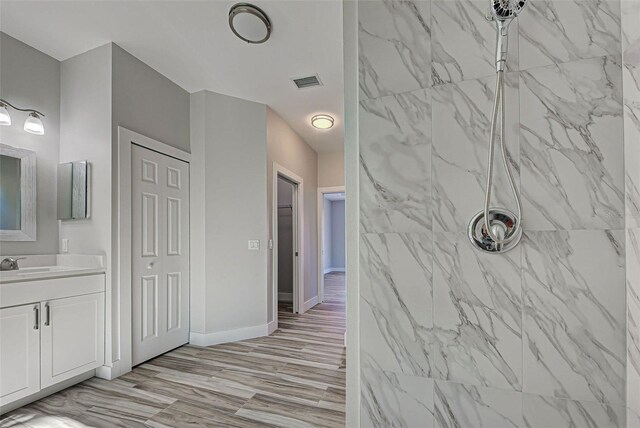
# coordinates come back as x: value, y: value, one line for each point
x: 322, y: 121
x: 249, y: 23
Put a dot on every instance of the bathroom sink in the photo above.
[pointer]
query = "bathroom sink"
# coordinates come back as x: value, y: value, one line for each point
x: 42, y: 269
x: 42, y: 272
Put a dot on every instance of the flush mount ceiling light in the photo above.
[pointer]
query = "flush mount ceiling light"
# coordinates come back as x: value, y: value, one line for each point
x: 249, y: 23
x: 33, y: 124
x: 322, y: 121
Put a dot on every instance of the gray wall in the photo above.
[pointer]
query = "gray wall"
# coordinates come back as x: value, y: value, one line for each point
x: 31, y: 79
x: 228, y: 174
x: 337, y: 235
x: 85, y: 130
x: 450, y: 336
x: 102, y: 89
x: 286, y: 148
x: 331, y: 169
x: 147, y: 102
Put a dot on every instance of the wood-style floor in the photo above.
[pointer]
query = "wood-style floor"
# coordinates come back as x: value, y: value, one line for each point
x: 293, y: 378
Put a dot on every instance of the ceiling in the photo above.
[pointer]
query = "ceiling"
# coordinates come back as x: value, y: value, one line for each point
x: 190, y: 42
x: 334, y: 196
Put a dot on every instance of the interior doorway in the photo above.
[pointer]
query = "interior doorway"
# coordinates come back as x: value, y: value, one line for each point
x: 331, y: 234
x: 288, y: 191
x: 287, y: 251
x: 160, y: 253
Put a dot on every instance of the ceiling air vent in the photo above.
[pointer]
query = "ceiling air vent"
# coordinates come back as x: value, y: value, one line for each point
x: 307, y: 82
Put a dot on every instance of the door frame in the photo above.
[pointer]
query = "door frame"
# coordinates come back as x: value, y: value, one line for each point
x: 121, y: 269
x: 321, y: 192
x: 298, y: 277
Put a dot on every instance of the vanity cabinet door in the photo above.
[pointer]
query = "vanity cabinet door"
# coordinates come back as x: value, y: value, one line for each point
x: 72, y: 337
x: 19, y: 352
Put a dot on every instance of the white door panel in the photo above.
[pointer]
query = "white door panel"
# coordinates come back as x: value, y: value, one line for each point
x: 72, y: 338
x: 160, y: 253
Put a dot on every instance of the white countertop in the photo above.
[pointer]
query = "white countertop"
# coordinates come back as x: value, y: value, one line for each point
x: 46, y: 272
x: 40, y: 267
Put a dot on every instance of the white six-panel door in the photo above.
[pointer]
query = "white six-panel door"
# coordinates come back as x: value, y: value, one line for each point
x: 160, y: 253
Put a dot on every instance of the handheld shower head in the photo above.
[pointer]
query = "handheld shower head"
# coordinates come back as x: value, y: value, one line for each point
x: 503, y: 12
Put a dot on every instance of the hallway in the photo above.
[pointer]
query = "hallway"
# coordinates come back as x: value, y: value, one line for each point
x: 293, y: 378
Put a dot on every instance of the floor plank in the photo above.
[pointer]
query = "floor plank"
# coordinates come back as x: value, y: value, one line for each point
x: 293, y: 378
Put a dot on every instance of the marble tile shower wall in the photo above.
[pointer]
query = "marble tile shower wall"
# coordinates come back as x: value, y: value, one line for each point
x: 450, y: 337
x: 630, y: 14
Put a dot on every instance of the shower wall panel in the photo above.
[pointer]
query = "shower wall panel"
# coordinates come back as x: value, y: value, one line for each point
x: 547, y: 334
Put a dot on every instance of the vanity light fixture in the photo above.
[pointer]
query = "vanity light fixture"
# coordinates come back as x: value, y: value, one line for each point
x: 33, y: 124
x: 322, y: 121
x: 5, y: 118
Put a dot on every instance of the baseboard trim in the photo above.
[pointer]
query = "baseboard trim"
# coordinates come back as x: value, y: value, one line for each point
x: 329, y: 270
x: 285, y: 297
x: 309, y: 304
x: 271, y: 327
x: 107, y: 373
x: 209, y: 339
x: 113, y: 371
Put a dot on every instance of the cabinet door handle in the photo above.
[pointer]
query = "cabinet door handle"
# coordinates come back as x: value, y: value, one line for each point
x: 47, y: 314
x: 36, y: 309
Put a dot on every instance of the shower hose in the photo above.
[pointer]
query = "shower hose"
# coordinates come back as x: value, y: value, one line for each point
x: 498, y: 105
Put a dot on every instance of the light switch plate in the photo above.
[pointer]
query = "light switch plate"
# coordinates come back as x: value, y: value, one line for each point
x: 65, y: 246
x: 254, y: 244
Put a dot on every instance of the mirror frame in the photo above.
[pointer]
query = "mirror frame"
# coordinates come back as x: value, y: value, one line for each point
x: 27, y: 230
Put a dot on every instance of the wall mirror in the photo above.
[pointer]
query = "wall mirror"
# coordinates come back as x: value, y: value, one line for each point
x: 17, y: 194
x: 73, y: 187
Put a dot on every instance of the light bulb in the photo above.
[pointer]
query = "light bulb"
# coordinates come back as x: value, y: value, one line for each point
x: 33, y: 124
x: 5, y: 118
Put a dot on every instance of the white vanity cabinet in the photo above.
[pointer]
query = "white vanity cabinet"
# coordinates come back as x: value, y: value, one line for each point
x: 72, y: 337
x: 19, y: 352
x: 56, y: 338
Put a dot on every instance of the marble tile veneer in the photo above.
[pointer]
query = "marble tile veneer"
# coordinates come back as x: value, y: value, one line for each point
x: 570, y: 133
x: 461, y: 129
x: 394, y: 400
x: 463, y: 41
x: 558, y: 31
x: 395, y: 302
x: 395, y: 163
x: 574, y: 315
x: 394, y: 42
x: 477, y: 314
x: 465, y: 406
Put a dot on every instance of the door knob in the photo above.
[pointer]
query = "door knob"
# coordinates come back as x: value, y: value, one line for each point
x: 151, y: 265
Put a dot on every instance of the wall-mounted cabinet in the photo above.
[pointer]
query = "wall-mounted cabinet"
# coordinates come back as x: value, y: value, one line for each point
x: 45, y: 343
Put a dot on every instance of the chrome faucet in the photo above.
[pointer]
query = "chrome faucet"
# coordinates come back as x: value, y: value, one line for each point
x: 10, y: 263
